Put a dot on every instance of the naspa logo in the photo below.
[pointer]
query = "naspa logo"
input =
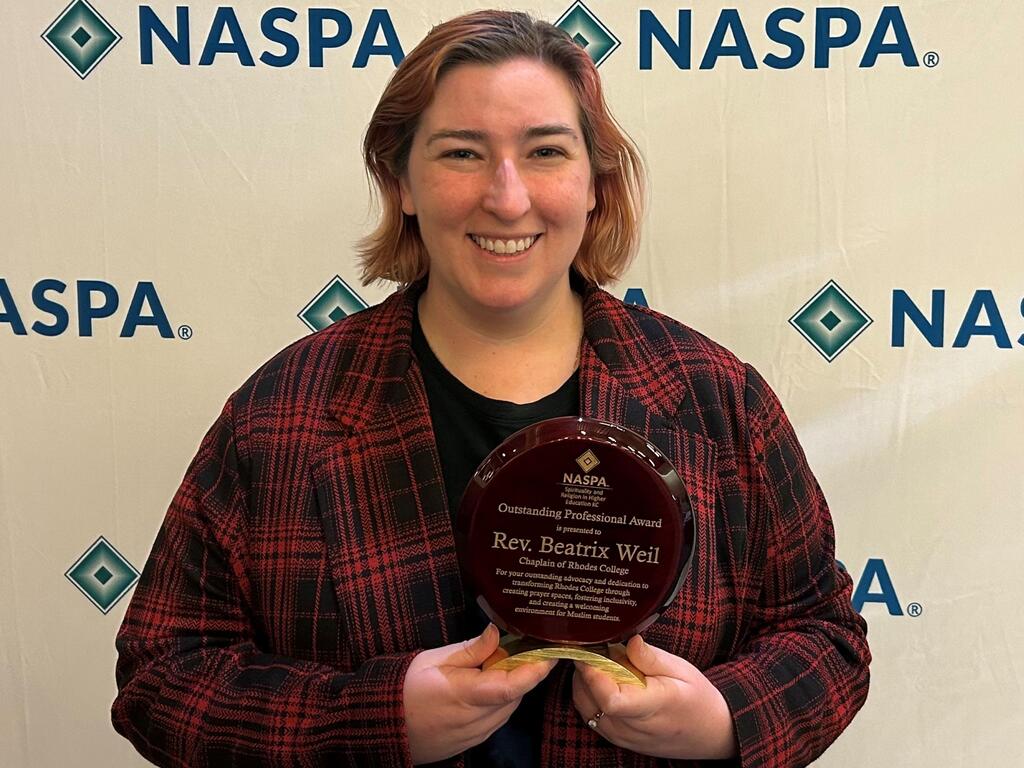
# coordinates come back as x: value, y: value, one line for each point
x: 243, y: 37
x: 81, y: 37
x: 273, y: 38
x: 281, y: 37
x: 831, y: 320
x: 92, y: 302
x: 589, y: 32
x: 979, y: 317
x: 782, y: 38
x: 335, y: 301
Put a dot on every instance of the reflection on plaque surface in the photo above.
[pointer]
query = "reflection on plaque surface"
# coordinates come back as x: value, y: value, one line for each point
x: 575, y: 534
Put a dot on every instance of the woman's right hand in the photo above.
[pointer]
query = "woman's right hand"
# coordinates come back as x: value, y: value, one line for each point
x: 451, y: 705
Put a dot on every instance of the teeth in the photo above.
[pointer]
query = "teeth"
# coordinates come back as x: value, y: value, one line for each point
x: 504, y: 246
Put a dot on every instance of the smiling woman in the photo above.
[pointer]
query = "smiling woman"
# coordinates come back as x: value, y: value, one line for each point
x: 500, y: 185
x: 498, y: 159
x: 303, y: 603
x: 395, y: 251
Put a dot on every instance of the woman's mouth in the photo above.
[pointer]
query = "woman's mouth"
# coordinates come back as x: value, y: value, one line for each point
x: 503, y: 246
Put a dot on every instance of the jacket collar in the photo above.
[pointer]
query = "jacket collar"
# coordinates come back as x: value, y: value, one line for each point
x: 620, y: 370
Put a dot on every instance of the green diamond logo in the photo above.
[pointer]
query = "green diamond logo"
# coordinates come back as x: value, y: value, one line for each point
x: 830, y: 321
x: 335, y: 301
x: 81, y: 37
x: 103, y: 575
x: 588, y: 32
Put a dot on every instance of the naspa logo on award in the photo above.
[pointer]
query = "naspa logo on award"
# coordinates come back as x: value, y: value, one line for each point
x: 81, y: 37
x: 587, y: 460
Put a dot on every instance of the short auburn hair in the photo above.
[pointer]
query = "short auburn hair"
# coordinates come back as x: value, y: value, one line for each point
x: 394, y: 250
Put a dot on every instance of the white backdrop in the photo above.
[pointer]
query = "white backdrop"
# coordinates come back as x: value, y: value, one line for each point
x: 233, y: 194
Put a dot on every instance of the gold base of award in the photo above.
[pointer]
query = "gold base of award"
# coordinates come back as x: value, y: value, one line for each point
x: 514, y: 651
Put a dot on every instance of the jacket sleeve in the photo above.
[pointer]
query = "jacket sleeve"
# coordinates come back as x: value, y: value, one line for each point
x: 194, y: 688
x: 801, y: 673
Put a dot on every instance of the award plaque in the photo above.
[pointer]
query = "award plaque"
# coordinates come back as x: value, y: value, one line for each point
x: 575, y: 534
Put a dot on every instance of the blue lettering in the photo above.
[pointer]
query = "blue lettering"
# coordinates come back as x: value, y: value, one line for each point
x: 1020, y: 340
x: 145, y: 309
x: 225, y: 19
x: 875, y: 569
x: 903, y: 307
x: 890, y: 18
x: 983, y: 300
x: 286, y: 39
x: 635, y: 296
x: 10, y: 312
x: 150, y: 24
x: 86, y: 311
x: 60, y: 315
x: 317, y: 41
x: 728, y: 21
x: 824, y: 41
x: 379, y: 20
x: 773, y: 28
x: 145, y: 292
x: 678, y: 49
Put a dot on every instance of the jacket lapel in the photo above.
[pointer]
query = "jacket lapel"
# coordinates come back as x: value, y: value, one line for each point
x: 381, y: 497
x: 628, y: 379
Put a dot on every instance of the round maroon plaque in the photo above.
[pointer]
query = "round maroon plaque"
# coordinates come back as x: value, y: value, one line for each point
x: 576, y: 532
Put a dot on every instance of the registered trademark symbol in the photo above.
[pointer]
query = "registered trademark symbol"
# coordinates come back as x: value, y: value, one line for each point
x: 915, y: 610
x: 184, y: 332
x: 931, y: 59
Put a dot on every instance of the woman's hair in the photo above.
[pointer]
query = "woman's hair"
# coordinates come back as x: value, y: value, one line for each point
x: 395, y: 250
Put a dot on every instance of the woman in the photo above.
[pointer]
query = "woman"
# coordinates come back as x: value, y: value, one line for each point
x: 308, y: 558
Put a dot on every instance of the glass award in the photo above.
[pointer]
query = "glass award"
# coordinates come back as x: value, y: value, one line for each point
x: 574, y: 534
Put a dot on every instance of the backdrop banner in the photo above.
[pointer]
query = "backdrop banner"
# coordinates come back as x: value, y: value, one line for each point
x: 837, y: 195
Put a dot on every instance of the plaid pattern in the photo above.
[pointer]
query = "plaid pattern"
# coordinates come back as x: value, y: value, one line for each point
x: 308, y: 555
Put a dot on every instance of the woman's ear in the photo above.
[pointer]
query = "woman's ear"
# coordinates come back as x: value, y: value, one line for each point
x: 408, y: 204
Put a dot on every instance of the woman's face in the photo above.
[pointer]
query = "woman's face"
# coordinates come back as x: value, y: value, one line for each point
x: 499, y: 180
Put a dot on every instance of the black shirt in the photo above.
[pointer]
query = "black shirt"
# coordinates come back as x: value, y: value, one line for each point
x: 468, y: 426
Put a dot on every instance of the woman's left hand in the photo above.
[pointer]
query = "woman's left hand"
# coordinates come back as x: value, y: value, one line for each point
x: 680, y: 714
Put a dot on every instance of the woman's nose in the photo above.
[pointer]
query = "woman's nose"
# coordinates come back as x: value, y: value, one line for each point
x: 507, y: 198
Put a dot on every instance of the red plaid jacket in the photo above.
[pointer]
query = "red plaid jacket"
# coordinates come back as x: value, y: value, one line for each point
x: 309, y: 555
